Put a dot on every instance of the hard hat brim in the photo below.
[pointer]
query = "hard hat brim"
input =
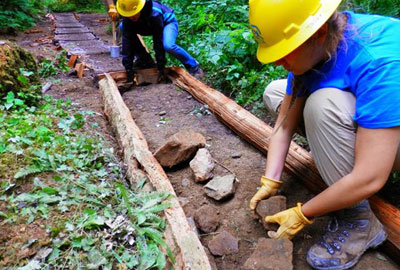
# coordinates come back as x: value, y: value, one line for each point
x: 131, y: 13
x: 268, y: 54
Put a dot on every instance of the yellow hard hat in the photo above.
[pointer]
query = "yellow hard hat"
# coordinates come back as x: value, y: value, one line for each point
x: 280, y: 26
x: 129, y: 8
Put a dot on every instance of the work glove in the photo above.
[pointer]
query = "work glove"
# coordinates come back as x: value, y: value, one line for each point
x: 291, y: 222
x: 129, y: 76
x: 268, y: 188
x: 162, y: 75
x: 112, y: 12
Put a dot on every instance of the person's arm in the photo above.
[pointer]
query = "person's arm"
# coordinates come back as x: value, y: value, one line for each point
x: 375, y: 152
x: 285, y: 126
x: 128, y: 45
x: 282, y: 136
x: 111, y: 10
x: 158, y: 28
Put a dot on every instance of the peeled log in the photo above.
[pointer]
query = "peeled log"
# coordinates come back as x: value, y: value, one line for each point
x: 189, y: 253
x: 298, y: 162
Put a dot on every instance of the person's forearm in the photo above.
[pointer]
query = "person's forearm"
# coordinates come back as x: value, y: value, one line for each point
x: 277, y: 152
x: 346, y: 192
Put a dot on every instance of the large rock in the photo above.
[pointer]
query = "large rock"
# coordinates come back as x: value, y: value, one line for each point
x: 202, y: 165
x: 206, y: 219
x: 12, y: 59
x: 180, y: 147
x: 270, y: 207
x: 271, y: 254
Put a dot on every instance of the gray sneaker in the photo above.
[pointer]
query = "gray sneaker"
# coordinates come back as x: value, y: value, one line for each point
x: 351, y: 232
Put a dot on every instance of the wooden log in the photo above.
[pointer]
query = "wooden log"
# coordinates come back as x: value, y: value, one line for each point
x: 141, y: 76
x: 298, y: 162
x: 190, y: 252
x: 72, y: 60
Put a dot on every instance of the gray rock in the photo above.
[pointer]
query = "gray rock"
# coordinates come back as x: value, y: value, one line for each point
x: 206, y: 219
x: 162, y: 113
x: 236, y: 155
x: 202, y: 165
x: 270, y: 207
x: 221, y: 187
x: 271, y: 254
x: 223, y: 244
x: 185, y: 182
x: 180, y: 147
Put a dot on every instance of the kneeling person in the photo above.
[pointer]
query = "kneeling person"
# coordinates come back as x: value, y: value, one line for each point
x: 151, y: 18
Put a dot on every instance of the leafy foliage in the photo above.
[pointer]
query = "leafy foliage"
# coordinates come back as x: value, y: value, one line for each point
x: 95, y: 221
x: 217, y: 34
x: 382, y: 7
x: 75, y: 5
x: 16, y: 14
x: 49, y: 67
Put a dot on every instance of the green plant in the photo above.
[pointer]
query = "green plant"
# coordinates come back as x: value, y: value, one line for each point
x: 49, y: 67
x: 94, y: 220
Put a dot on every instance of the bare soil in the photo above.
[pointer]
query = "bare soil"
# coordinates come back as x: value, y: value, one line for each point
x: 146, y: 103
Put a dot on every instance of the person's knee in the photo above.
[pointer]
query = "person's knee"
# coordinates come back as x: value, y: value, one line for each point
x: 169, y: 47
x: 273, y: 95
x: 329, y: 107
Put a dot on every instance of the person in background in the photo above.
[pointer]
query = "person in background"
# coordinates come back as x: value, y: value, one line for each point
x: 150, y: 18
x: 344, y: 82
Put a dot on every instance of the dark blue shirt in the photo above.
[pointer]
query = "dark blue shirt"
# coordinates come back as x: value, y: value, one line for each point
x: 153, y: 17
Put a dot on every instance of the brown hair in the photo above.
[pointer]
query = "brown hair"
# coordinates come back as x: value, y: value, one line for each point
x: 335, y: 28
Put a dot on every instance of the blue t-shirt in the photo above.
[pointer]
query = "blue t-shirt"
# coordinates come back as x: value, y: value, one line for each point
x: 367, y: 64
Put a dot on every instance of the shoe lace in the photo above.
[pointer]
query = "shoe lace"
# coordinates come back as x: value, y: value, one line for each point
x: 337, y: 233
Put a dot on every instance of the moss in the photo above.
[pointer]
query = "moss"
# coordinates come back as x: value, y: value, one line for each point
x: 9, y: 165
x: 12, y: 59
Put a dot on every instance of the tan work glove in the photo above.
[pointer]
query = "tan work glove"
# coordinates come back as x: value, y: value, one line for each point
x: 291, y: 222
x: 268, y: 188
x: 112, y: 12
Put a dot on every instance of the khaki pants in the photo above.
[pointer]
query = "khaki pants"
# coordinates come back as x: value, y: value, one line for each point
x: 330, y: 129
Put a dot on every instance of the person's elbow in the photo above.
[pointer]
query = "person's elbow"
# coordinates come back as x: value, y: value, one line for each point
x: 373, y: 185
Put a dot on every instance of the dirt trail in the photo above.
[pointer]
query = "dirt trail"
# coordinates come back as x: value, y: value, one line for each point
x: 183, y: 112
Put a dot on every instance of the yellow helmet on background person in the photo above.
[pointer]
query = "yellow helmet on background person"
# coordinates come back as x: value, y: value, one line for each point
x: 129, y: 8
x: 280, y: 26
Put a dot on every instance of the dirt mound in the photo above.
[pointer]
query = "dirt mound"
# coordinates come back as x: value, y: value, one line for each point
x: 18, y: 70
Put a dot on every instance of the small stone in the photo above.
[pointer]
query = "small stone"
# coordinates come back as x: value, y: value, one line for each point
x: 223, y: 244
x: 185, y: 182
x: 221, y: 188
x: 162, y: 113
x: 270, y: 207
x: 189, y: 97
x: 202, y: 165
x: 236, y: 155
x: 206, y: 219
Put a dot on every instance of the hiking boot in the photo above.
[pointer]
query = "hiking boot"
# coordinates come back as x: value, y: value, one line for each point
x: 197, y: 72
x: 349, y: 233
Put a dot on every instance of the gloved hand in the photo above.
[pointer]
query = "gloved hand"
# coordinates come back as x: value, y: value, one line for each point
x: 162, y: 75
x: 112, y: 12
x: 291, y: 222
x: 129, y: 76
x: 268, y: 188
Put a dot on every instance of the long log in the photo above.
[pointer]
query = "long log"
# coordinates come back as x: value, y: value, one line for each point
x: 190, y: 252
x: 298, y: 162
